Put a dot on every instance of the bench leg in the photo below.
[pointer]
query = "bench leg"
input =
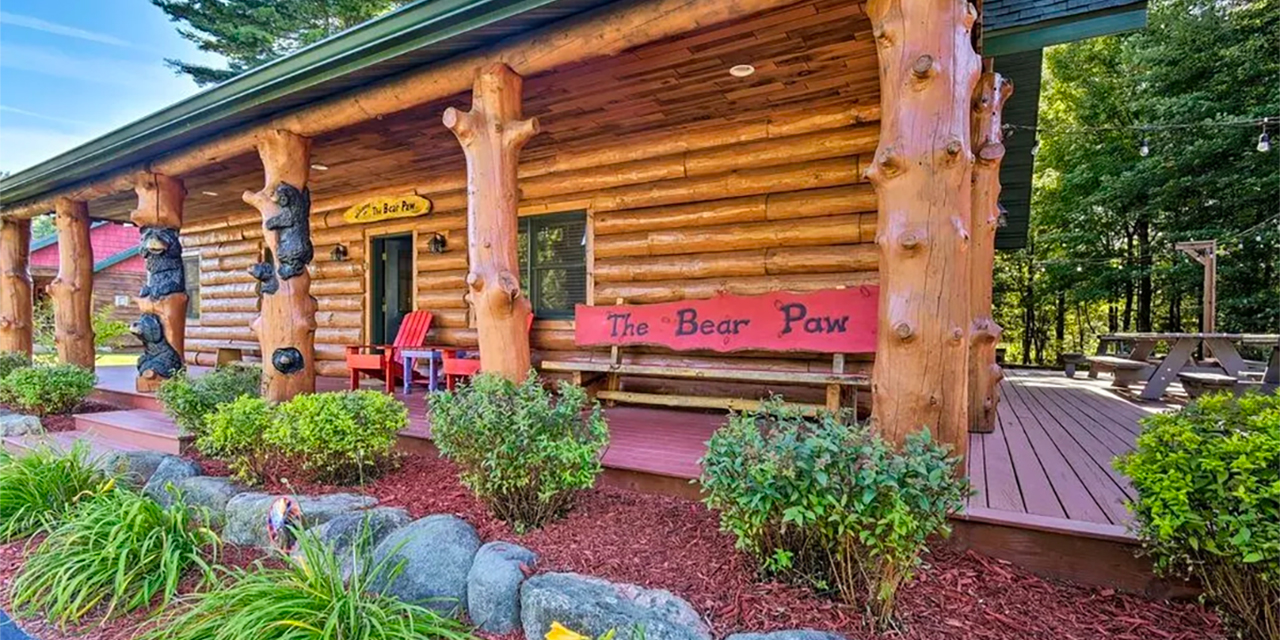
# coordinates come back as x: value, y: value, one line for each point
x: 1168, y: 369
x: 1071, y: 369
x: 833, y: 398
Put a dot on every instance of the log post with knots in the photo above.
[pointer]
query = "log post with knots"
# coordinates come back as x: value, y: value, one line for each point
x: 72, y: 289
x: 988, y: 146
x: 16, y: 300
x: 921, y: 173
x: 286, y: 322
x: 162, y: 325
x: 492, y: 134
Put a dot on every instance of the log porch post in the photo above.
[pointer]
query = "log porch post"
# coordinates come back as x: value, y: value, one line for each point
x: 15, y: 286
x: 984, y: 374
x: 163, y: 300
x: 492, y: 134
x: 921, y: 173
x: 286, y: 322
x: 72, y: 289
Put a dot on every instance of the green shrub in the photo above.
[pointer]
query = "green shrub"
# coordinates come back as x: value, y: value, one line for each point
x: 45, y: 389
x: 307, y: 598
x: 521, y: 450
x: 1208, y: 485
x: 830, y: 503
x: 339, y: 437
x: 11, y: 361
x: 188, y: 400
x: 234, y: 432
x: 121, y: 550
x: 39, y: 488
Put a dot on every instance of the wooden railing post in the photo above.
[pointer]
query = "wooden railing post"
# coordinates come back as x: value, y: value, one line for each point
x: 921, y: 173
x: 16, y: 315
x: 72, y: 289
x: 286, y: 322
x: 162, y: 325
x: 988, y: 146
x: 492, y: 134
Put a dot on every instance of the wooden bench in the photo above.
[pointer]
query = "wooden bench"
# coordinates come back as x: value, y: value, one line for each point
x: 1126, y: 372
x: 1070, y: 361
x: 1198, y: 384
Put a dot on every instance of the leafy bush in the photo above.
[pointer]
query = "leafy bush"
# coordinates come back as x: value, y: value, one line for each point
x: 189, y: 400
x: 830, y: 503
x: 41, y: 487
x: 47, y: 389
x: 307, y: 598
x: 107, y: 331
x: 11, y: 361
x: 121, y: 550
x: 234, y: 432
x: 339, y: 437
x: 1208, y: 485
x: 522, y: 451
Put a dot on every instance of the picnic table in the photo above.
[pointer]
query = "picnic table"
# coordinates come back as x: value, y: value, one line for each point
x: 1158, y: 374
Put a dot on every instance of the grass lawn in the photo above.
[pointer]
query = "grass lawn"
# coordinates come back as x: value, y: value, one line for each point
x: 115, y: 359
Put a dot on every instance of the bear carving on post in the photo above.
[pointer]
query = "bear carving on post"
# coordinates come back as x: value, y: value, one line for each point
x: 265, y: 273
x: 159, y: 359
x: 163, y: 251
x: 294, y: 250
x: 162, y: 300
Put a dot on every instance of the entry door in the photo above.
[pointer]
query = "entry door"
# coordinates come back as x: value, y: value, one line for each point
x: 392, y: 292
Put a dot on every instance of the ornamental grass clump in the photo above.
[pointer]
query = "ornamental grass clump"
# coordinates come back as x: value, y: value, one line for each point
x: 338, y: 437
x: 1208, y: 503
x: 524, y: 451
x: 190, y: 400
x: 307, y: 599
x: 46, y: 389
x: 121, y: 551
x: 39, y: 488
x: 829, y: 503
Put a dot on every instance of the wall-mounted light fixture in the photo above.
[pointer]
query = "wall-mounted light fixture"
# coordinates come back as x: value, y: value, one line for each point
x: 339, y: 253
x: 319, y: 166
x: 437, y: 243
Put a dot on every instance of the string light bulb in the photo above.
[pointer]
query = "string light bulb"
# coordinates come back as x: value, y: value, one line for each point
x: 1145, y: 149
x: 1264, y: 142
x: 1035, y: 148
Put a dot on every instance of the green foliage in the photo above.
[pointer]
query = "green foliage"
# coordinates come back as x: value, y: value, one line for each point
x: 234, y: 432
x: 523, y: 451
x: 11, y: 361
x: 830, y: 503
x: 106, y: 329
x: 250, y: 33
x: 339, y: 437
x: 188, y: 400
x: 120, y: 550
x: 39, y: 488
x: 1208, y: 483
x: 47, y: 389
x: 307, y: 599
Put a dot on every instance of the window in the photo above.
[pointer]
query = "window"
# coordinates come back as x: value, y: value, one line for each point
x: 553, y: 262
x: 191, y: 271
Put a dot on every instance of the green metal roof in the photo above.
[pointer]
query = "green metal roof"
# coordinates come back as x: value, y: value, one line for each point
x: 52, y: 239
x: 116, y: 259
x: 416, y: 34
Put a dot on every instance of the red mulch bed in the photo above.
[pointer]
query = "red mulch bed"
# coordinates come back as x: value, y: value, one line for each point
x: 67, y: 421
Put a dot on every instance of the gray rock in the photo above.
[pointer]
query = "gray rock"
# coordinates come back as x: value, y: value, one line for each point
x: 173, y: 469
x: 789, y: 634
x: 435, y: 554
x: 592, y: 607
x: 342, y: 532
x: 18, y: 424
x: 134, y: 467
x: 493, y: 586
x: 210, y: 493
x: 247, y: 514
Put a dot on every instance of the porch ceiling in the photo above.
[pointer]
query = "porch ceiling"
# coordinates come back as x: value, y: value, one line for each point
x: 808, y: 55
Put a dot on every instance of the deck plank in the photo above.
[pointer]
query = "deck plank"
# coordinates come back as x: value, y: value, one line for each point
x: 1003, y: 490
x: 1038, y: 492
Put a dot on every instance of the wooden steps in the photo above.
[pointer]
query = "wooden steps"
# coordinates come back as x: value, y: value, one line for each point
x: 64, y: 440
x: 140, y: 428
x: 125, y: 397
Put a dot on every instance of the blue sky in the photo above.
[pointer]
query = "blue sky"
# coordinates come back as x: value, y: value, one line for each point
x: 72, y: 70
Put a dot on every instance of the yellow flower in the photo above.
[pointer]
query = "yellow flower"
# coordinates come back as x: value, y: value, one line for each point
x: 559, y: 632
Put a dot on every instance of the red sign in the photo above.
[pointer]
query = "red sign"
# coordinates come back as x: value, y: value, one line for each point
x: 831, y: 321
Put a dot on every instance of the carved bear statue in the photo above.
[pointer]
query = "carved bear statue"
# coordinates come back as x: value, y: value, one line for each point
x: 159, y: 358
x: 262, y: 272
x: 163, y: 252
x: 293, y: 230
x: 287, y: 360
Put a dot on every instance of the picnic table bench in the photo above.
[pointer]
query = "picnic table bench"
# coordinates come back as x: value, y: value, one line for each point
x: 1135, y: 366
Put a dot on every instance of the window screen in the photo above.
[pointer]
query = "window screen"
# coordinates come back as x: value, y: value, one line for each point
x: 553, y: 262
x: 191, y: 271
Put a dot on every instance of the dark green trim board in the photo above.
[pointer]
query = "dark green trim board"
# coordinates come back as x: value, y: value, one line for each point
x: 1039, y: 36
x: 1022, y: 108
x: 52, y: 238
x: 110, y: 261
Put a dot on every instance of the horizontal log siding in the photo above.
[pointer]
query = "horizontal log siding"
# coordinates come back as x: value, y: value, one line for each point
x: 765, y: 204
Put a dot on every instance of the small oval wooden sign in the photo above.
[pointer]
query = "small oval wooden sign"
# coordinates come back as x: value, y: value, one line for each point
x: 387, y: 208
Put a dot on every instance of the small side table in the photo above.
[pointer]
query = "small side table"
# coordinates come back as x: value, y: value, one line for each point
x: 407, y: 358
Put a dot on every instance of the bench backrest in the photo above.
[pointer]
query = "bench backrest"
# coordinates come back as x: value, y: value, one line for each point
x: 829, y: 321
x: 413, y: 330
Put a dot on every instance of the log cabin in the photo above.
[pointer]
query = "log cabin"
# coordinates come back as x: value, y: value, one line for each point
x: 487, y: 160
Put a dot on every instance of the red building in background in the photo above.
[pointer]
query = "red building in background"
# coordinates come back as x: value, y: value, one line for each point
x: 118, y: 268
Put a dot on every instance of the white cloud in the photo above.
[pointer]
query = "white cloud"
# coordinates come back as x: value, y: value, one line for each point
x: 23, y: 147
x: 61, y: 29
x: 94, y: 69
x: 45, y: 116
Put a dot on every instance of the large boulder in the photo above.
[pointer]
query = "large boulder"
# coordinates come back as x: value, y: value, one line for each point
x: 789, y: 634
x: 172, y: 470
x: 493, y: 586
x: 134, y: 468
x: 435, y: 554
x: 17, y: 424
x: 246, y: 523
x: 210, y: 493
x: 592, y: 607
x: 341, y: 533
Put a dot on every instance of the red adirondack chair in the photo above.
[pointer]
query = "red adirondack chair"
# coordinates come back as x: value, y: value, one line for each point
x: 383, y: 360
x: 456, y: 368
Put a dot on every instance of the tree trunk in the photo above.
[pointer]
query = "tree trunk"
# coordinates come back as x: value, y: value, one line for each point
x: 286, y: 323
x: 163, y: 300
x: 1128, y: 282
x: 1113, y: 318
x: 492, y: 134
x: 1028, y: 311
x: 16, y: 301
x: 1060, y: 324
x: 1144, y: 278
x: 921, y: 173
x: 984, y: 374
x: 72, y: 289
